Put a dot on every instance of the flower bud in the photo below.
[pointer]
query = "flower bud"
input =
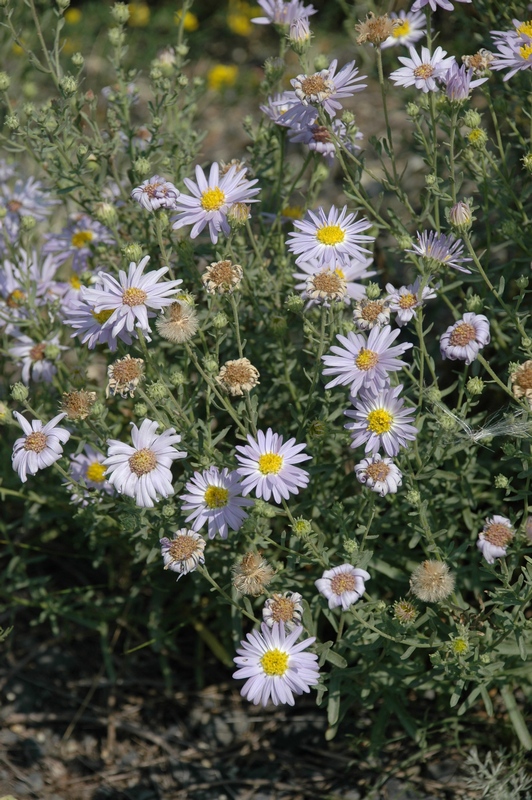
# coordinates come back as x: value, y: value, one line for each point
x: 501, y: 482
x: 177, y: 378
x: 52, y: 352
x: 78, y: 60
x: 12, y: 122
x: 302, y: 527
x: 116, y: 36
x: 460, y: 217
x: 211, y: 364
x: 321, y: 62
x: 274, y: 69
x: 522, y: 282
x: 474, y: 303
x: 28, y: 222
x: 106, y: 213
x: 120, y: 13
x: 140, y: 409
x: 263, y: 509
x: 68, y: 85
x: 294, y: 303
x: 133, y: 252
x: 168, y: 511
x: 278, y: 325
x: 475, y: 386
x: 472, y: 118
x: 373, y: 291
x: 413, y: 110
x: 157, y: 391
x: 4, y: 411
x: 220, y: 320
x: 5, y: 80
x: 19, y: 392
x: 413, y: 497
x: 142, y: 167
x: 477, y: 138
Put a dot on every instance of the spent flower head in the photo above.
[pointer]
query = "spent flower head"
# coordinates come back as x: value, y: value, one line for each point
x: 432, y: 582
x: 495, y: 537
x: 183, y: 552
x: 342, y: 586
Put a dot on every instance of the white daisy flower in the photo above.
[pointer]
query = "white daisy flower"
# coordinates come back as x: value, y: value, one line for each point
x: 329, y: 239
x: 31, y: 356
x: 274, y: 666
x: 379, y: 474
x: 410, y: 28
x: 142, y: 471
x: 381, y: 421
x: 184, y: 552
x: 406, y: 299
x: 156, y: 193
x: 463, y: 340
x: 88, y: 468
x: 267, y: 466
x: 316, y: 281
x: 343, y: 585
x: 212, y: 200
x: 422, y: 71
x: 39, y: 447
x: 285, y: 608
x: 495, y: 537
x: 214, y: 497
x: 133, y: 298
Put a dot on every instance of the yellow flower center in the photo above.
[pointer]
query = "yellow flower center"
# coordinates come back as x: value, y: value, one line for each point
x: 212, y: 199
x: 407, y: 300
x: 460, y: 646
x: 379, y: 421
x: 270, y: 463
x: 134, y: 296
x: 476, y: 135
x: 274, y: 662
x: 403, y: 29
x: 35, y: 441
x: 142, y: 462
x: 340, y: 273
x: 216, y: 496
x: 462, y: 335
x: 498, y: 534
x: 82, y: 238
x: 330, y: 235
x: 74, y: 281
x: 525, y: 51
x: 525, y: 28
x: 16, y: 298
x: 424, y: 71
x: 366, y: 359
x: 184, y: 547
x: 102, y: 316
x: 96, y: 472
x: 344, y: 582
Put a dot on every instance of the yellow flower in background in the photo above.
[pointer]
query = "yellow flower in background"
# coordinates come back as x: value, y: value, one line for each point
x: 73, y: 16
x: 293, y: 212
x: 71, y: 45
x: 222, y: 76
x: 191, y: 22
x: 17, y: 49
x: 139, y: 15
x: 239, y: 16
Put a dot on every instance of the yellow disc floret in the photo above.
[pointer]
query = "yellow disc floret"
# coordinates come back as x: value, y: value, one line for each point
x: 270, y: 463
x: 82, y: 238
x: 330, y: 235
x: 403, y: 29
x: 366, y: 359
x: 274, y: 662
x: 525, y: 51
x: 212, y: 199
x: 102, y: 316
x: 216, y: 496
x: 380, y: 421
x: 96, y: 472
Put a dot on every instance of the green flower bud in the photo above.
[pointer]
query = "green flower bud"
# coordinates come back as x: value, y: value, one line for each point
x: 321, y: 62
x: 157, y: 391
x: 128, y: 522
x: 52, y: 352
x: 141, y: 410
x: 274, y: 69
x: 278, y: 325
x: 4, y: 413
x: 220, y: 320
x: 106, y: 213
x: 211, y: 364
x: 116, y: 36
x: 527, y: 161
x: 63, y: 4
x: 183, y: 81
x: 413, y: 110
x: 133, y: 252
x: 120, y: 13
x: 431, y: 180
x: 302, y: 527
x: 27, y: 223
x: 19, y: 392
x: 477, y: 138
x: 433, y: 394
x: 373, y: 291
x: 182, y: 50
x: 50, y: 122
x: 12, y: 122
x: 317, y: 429
x: 501, y: 482
x: 474, y: 303
x: 30, y: 90
x: 348, y: 118
x: 351, y: 548
x: 156, y: 74
x: 472, y: 118
x: 522, y: 282
x: 28, y: 109
x: 263, y: 509
x: 5, y: 80
x: 294, y: 303
x: 177, y: 378
x: 78, y: 60
x: 168, y: 511
x: 413, y: 497
x: 68, y: 85
x: 142, y: 167
x: 404, y: 241
x: 405, y: 612
x: 509, y: 449
x: 475, y: 386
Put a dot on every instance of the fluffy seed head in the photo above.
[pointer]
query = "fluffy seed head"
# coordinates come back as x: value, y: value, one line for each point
x: 124, y: 375
x: 222, y: 277
x: 252, y: 574
x: 178, y: 323
x: 238, y: 376
x: 78, y: 405
x: 432, y: 582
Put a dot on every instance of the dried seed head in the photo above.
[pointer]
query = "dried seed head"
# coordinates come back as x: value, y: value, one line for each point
x: 376, y: 30
x: 405, y: 612
x: 178, y: 324
x: 252, y: 574
x: 432, y: 582
x: 124, y: 376
x: 78, y: 405
x: 222, y: 277
x: 522, y: 381
x: 238, y: 376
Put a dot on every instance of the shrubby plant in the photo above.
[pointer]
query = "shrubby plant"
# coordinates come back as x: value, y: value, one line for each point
x: 208, y: 369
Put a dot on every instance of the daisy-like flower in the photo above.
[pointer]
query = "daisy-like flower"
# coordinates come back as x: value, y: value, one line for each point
x: 77, y: 241
x: 142, y: 471
x: 371, y: 313
x: 381, y: 421
x: 406, y: 299
x: 178, y: 323
x: 124, y: 375
x: 463, y: 340
x: 286, y: 609
x: 251, y: 574
x: 156, y: 193
x: 480, y: 62
x: 318, y: 283
x: 214, y: 497
x: 238, y: 376
x: 25, y: 198
x: 283, y: 13
x: 132, y: 299
x: 323, y: 89
x: 514, y: 49
x: 379, y: 474
x: 183, y: 552
x: 267, y: 466
x: 275, y: 667
x: 343, y: 585
x: 90, y: 326
x: 422, y: 71
x: 88, y: 467
x: 435, y: 4
x: 459, y: 82
x: 410, y: 27
x: 375, y: 30
x: 432, y: 582
x: 278, y: 105
x: 222, y: 277
x: 39, y: 447
x: 440, y: 250
x: 319, y: 139
x: 212, y: 199
x: 495, y: 537
x: 33, y: 358
x: 365, y: 363
x: 522, y: 381
x: 329, y: 239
